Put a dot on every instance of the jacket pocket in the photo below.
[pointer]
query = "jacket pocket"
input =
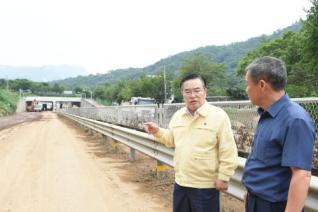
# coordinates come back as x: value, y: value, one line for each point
x: 202, y: 156
x: 205, y: 137
x: 205, y: 162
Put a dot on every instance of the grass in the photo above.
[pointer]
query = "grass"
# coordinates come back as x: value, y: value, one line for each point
x: 8, y: 102
x: 104, y: 102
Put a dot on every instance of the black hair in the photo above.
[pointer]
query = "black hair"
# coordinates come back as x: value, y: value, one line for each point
x: 192, y: 76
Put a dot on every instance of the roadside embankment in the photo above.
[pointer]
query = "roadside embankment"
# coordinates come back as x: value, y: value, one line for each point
x: 8, y: 102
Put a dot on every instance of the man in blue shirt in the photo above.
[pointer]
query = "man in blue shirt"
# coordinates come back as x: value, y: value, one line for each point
x: 278, y: 170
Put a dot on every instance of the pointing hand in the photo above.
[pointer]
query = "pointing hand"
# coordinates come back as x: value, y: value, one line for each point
x: 151, y: 127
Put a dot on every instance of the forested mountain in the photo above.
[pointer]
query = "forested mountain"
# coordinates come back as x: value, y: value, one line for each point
x: 41, y: 74
x: 299, y: 50
x: 229, y: 55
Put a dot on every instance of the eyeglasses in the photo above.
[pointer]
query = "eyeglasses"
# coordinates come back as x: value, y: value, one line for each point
x: 194, y: 91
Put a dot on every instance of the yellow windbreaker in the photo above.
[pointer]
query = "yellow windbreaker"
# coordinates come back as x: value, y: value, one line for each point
x: 204, y: 146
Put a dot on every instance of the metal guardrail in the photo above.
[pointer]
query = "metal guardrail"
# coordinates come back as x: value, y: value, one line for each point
x: 140, y: 141
x: 146, y: 144
x: 242, y: 114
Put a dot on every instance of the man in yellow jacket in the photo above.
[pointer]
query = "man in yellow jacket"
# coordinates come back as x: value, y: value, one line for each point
x: 205, y: 151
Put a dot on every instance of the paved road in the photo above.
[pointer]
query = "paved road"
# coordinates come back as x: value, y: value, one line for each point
x: 44, y: 166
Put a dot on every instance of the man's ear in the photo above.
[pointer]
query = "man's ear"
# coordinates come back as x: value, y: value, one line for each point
x: 262, y: 84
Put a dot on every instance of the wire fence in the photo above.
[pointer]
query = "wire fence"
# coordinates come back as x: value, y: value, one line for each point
x: 242, y: 114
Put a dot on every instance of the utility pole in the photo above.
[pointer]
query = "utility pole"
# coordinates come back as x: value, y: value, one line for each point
x: 7, y: 84
x: 164, y: 81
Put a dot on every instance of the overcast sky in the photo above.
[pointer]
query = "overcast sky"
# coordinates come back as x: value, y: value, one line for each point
x: 101, y: 35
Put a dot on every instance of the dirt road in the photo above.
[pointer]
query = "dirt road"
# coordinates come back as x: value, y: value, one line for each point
x: 45, y: 165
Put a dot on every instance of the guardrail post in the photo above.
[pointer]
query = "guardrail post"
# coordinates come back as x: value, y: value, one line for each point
x: 132, y: 154
x: 161, y: 170
x: 90, y: 131
x: 104, y: 139
x: 160, y: 114
x: 115, y: 146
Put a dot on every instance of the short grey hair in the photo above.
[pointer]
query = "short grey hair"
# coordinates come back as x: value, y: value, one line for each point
x: 270, y: 69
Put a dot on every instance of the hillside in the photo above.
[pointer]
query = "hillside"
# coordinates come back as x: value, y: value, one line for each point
x: 230, y: 55
x: 8, y: 101
x: 41, y: 74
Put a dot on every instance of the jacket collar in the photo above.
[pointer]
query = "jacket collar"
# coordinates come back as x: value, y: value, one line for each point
x: 202, y: 111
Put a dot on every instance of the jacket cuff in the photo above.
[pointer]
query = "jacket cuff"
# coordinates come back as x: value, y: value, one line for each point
x: 158, y: 134
x: 223, y: 177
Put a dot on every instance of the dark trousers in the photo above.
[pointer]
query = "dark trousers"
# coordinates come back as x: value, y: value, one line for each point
x: 256, y: 204
x: 187, y: 199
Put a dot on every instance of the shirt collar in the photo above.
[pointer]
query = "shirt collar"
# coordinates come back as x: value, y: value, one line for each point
x: 274, y: 109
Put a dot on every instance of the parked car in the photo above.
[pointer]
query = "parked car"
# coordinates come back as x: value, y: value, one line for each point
x: 142, y: 101
x: 38, y: 108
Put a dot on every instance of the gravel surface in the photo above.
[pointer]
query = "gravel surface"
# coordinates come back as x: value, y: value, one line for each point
x: 142, y: 172
x: 18, y: 118
x: 46, y: 165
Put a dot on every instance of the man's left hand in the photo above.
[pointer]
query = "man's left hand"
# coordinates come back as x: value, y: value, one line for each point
x: 221, y: 185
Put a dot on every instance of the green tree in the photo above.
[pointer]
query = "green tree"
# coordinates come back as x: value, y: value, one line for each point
x: 78, y: 89
x: 3, y: 83
x: 310, y: 46
x: 18, y: 84
x: 237, y: 93
x: 57, y: 88
x: 125, y: 91
x: 299, y: 50
x: 213, y: 73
